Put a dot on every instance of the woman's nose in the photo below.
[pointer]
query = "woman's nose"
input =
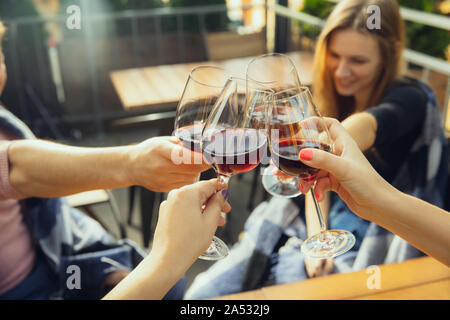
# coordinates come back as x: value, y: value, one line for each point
x: 343, y: 69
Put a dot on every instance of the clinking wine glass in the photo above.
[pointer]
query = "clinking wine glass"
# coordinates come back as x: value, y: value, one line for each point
x: 276, y: 71
x: 230, y: 141
x: 200, y: 93
x: 304, y: 129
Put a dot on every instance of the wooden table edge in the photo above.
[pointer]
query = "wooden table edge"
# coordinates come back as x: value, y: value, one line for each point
x: 273, y: 292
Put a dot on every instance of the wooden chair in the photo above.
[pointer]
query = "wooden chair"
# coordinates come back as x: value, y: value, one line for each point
x: 87, y: 199
x: 228, y: 45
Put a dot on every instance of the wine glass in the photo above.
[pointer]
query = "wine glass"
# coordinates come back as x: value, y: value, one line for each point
x: 278, y: 72
x: 200, y: 93
x: 230, y: 141
x: 304, y: 129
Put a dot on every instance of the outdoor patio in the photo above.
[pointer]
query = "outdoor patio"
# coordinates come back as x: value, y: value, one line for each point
x: 70, y: 85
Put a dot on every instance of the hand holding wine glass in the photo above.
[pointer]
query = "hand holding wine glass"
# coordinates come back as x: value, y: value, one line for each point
x: 348, y: 172
x: 342, y: 172
x: 304, y: 128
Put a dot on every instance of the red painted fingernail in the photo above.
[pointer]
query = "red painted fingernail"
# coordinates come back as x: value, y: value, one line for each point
x: 317, y: 194
x: 301, y: 188
x: 306, y: 155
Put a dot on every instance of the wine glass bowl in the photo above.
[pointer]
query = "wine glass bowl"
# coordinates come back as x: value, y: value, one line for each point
x: 200, y: 93
x: 232, y: 142
x: 231, y: 151
x: 276, y: 71
x: 295, y: 124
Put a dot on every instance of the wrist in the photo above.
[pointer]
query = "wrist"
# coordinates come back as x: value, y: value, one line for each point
x: 387, y: 198
x: 174, y: 262
x: 130, y: 159
x: 166, y: 267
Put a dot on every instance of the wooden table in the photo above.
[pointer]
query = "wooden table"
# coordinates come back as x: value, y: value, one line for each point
x: 421, y: 278
x: 164, y: 84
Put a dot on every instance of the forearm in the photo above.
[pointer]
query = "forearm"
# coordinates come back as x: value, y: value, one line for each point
x: 421, y: 224
x: 362, y: 127
x: 150, y: 280
x: 45, y: 169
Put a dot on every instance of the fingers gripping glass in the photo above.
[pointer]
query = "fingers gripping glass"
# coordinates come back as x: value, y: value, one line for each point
x: 278, y: 72
x: 295, y: 124
x: 202, y: 89
x: 232, y: 142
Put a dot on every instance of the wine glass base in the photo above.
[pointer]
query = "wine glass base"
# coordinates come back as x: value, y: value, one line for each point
x: 287, y: 188
x: 328, y: 244
x: 217, y: 250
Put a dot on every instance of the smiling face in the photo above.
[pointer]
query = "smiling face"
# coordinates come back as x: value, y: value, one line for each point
x: 353, y: 60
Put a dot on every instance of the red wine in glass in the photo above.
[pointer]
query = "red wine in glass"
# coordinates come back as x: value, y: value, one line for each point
x: 233, y: 151
x: 285, y: 156
x: 190, y: 136
x: 285, y: 115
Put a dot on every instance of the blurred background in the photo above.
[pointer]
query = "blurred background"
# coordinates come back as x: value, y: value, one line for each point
x: 66, y: 71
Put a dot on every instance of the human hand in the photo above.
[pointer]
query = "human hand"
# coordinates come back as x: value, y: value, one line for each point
x: 187, y: 222
x: 155, y: 164
x: 318, y: 267
x: 281, y: 176
x: 346, y: 172
x: 185, y: 228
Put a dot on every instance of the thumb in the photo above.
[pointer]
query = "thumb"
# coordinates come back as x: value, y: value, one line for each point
x: 214, y: 207
x: 327, y: 161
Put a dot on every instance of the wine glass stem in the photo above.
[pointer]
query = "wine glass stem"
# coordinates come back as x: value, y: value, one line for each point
x: 222, y: 179
x: 323, y: 226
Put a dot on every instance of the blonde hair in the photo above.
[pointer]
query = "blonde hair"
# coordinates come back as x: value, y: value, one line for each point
x: 352, y: 14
